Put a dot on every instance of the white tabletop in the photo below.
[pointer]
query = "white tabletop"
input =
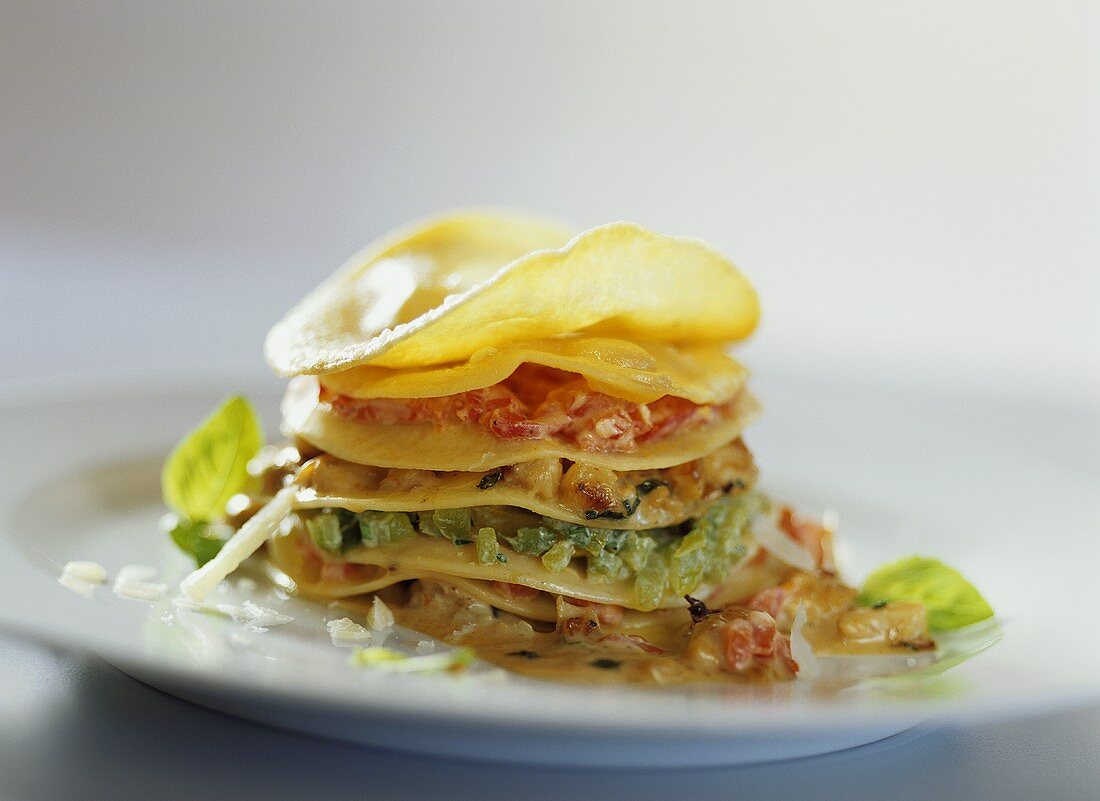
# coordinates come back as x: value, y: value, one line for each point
x: 73, y: 727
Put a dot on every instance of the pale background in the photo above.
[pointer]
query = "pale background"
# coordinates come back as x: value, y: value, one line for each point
x: 914, y: 187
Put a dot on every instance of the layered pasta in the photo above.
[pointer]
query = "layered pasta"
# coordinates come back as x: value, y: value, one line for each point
x: 532, y: 443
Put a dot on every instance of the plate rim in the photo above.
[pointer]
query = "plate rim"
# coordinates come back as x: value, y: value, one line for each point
x: 74, y: 636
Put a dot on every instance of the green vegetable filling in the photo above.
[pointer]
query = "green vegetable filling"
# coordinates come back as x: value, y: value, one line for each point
x: 658, y: 561
x: 488, y: 552
x: 333, y: 532
x: 533, y: 540
x: 558, y: 557
x: 453, y: 524
x: 384, y: 528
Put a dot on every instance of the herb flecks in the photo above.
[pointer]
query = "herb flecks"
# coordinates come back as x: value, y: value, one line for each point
x: 605, y: 514
x: 490, y: 480
x: 630, y: 506
x: 606, y: 664
x: 525, y: 654
x: 697, y: 609
x: 649, y: 485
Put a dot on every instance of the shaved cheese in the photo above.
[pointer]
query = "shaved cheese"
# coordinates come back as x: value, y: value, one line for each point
x: 469, y: 447
x: 140, y: 590
x: 259, y: 528
x: 638, y: 372
x: 90, y: 572
x: 780, y: 545
x: 252, y: 614
x: 137, y: 582
x: 131, y: 573
x: 345, y: 631
x: 380, y: 617
x: 441, y: 291
x: 77, y: 585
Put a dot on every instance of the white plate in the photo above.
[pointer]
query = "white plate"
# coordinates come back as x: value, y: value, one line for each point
x: 1006, y: 494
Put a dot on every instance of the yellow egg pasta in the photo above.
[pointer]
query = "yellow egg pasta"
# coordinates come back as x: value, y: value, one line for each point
x: 438, y: 293
x: 637, y: 372
x: 459, y: 446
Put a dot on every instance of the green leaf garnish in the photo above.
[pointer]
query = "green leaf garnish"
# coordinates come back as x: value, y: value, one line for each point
x: 952, y: 601
x: 207, y: 467
x: 197, y: 539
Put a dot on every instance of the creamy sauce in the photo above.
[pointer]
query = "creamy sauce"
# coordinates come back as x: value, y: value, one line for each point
x: 834, y: 636
x: 575, y: 491
x: 528, y: 648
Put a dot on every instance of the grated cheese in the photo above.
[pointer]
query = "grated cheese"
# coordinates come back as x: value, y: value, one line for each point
x: 76, y: 585
x: 380, y: 617
x: 131, y: 573
x: 248, y: 539
x: 345, y: 630
x: 90, y: 572
x: 140, y: 590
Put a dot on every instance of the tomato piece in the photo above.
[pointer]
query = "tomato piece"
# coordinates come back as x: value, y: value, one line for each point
x: 539, y: 403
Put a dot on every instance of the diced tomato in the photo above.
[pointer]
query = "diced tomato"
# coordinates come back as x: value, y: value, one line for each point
x: 539, y: 403
x: 740, y: 641
x: 820, y: 595
x: 607, y: 614
x: 342, y: 571
x: 746, y: 639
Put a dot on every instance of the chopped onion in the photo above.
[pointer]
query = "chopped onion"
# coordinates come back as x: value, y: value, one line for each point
x: 849, y: 667
x: 780, y: 545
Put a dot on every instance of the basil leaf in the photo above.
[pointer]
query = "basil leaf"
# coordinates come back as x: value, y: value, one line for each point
x: 952, y: 601
x: 207, y: 467
x: 196, y: 539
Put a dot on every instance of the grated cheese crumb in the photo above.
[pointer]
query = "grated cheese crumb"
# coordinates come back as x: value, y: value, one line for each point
x: 140, y: 590
x: 346, y: 630
x: 131, y: 573
x: 90, y: 572
x: 76, y: 585
x: 262, y: 616
x: 254, y: 615
x: 248, y: 539
x: 380, y: 617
